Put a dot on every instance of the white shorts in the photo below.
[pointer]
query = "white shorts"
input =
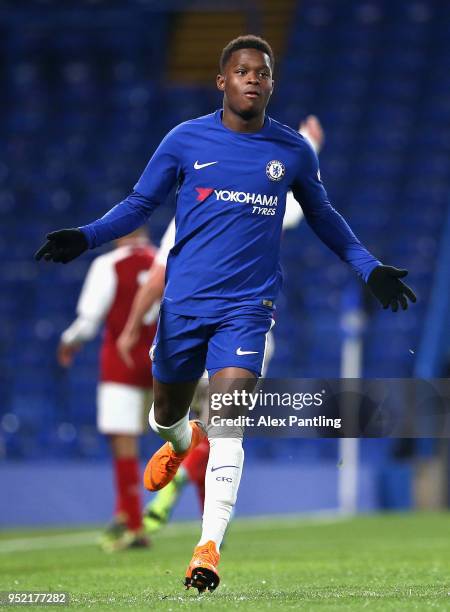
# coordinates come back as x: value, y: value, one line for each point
x: 122, y: 409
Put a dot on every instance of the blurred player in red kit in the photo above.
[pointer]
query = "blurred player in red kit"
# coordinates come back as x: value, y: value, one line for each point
x: 123, y: 391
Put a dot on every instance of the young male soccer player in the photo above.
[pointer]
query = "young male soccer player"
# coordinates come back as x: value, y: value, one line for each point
x: 123, y: 392
x: 193, y: 468
x: 233, y: 169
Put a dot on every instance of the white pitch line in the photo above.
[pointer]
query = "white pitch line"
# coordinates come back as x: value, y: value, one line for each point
x: 262, y: 522
x: 257, y: 523
x: 51, y: 541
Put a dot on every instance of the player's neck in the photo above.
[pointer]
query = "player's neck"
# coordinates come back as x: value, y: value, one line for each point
x: 238, y: 124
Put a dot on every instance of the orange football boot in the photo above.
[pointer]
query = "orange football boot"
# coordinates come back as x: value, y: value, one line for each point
x: 202, y: 571
x: 164, y: 464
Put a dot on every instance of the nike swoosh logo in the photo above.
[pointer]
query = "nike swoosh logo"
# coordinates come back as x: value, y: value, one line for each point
x: 198, y: 166
x: 213, y: 469
x: 239, y: 351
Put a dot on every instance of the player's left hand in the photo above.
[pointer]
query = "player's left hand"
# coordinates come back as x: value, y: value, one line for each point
x: 385, y: 284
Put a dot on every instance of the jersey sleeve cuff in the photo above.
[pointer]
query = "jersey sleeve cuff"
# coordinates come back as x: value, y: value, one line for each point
x: 370, y: 268
x: 89, y: 234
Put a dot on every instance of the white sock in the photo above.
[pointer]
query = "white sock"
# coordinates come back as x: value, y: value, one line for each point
x: 179, y: 434
x: 223, y: 475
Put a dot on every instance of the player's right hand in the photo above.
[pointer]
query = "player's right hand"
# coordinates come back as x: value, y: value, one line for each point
x: 63, y: 246
x: 125, y: 343
x: 66, y: 353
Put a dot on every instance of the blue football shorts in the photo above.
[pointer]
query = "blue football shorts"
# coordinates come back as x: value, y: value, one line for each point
x: 185, y: 346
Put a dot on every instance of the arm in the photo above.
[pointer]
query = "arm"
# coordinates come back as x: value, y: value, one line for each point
x: 95, y: 301
x: 151, y: 190
x: 147, y: 295
x: 332, y: 229
x: 325, y: 221
x: 312, y: 130
x: 144, y: 299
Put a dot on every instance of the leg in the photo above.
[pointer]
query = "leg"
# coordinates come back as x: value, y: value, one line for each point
x: 196, y: 462
x: 172, y: 400
x: 178, y: 361
x: 124, y: 446
x: 169, y: 417
x: 227, y: 455
x: 193, y: 469
x: 158, y: 510
x: 226, y: 458
x: 125, y: 457
x: 120, y: 410
x: 235, y: 359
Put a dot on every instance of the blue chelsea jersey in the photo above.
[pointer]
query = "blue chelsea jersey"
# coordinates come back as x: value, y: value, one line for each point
x: 231, y: 200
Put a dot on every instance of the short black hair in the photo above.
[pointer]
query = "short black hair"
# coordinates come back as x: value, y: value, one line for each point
x: 246, y: 42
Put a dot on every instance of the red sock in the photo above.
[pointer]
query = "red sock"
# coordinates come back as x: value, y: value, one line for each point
x: 119, y: 510
x: 128, y: 491
x: 195, y: 466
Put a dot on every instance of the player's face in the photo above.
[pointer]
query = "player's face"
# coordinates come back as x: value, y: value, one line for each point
x: 246, y: 82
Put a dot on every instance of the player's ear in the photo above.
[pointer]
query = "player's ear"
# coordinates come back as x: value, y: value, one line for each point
x: 220, y: 82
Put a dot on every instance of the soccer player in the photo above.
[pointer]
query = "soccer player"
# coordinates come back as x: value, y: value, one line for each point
x: 193, y: 468
x: 123, y: 392
x: 233, y: 169
x: 152, y: 290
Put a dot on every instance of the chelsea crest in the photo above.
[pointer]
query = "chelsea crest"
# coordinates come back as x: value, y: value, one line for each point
x: 275, y: 170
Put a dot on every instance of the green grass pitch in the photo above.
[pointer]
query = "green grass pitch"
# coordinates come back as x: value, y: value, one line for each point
x: 382, y: 562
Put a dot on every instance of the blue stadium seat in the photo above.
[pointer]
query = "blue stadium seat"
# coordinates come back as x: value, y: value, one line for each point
x: 85, y: 109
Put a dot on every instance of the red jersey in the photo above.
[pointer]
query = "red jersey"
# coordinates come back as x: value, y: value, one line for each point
x: 107, y: 295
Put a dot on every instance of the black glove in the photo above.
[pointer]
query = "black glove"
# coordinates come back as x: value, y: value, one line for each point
x: 388, y: 289
x: 63, y: 246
